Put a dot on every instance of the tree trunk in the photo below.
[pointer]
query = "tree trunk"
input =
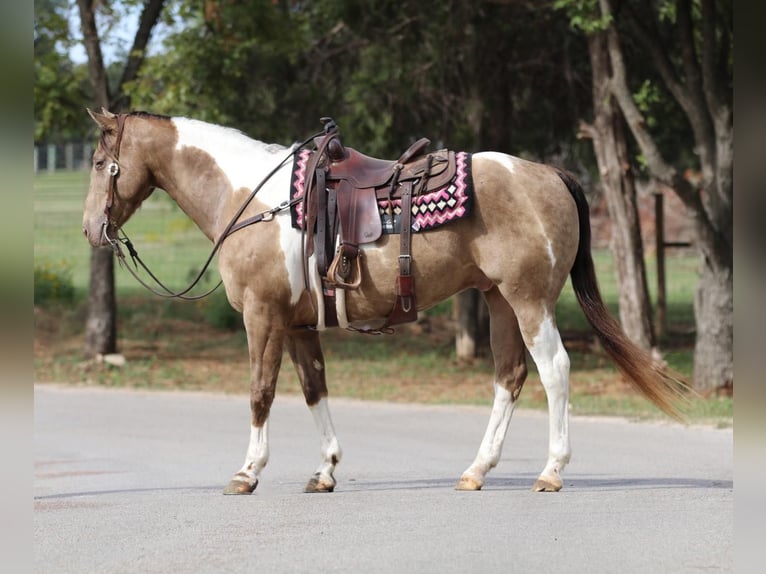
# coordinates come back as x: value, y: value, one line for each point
x: 101, y: 321
x: 472, y: 317
x: 619, y: 189
x: 701, y: 86
x: 714, y: 349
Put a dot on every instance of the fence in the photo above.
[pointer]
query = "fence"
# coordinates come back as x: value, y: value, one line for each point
x: 66, y: 156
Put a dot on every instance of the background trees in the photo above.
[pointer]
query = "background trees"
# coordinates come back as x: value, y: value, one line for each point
x: 671, y: 64
x: 649, y: 83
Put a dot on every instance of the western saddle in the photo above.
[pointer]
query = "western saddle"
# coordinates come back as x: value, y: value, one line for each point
x: 344, y: 194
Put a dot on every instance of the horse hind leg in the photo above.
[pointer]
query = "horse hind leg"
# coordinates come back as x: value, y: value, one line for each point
x: 306, y: 353
x: 510, y: 374
x: 542, y: 338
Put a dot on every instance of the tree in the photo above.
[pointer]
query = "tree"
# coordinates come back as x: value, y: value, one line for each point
x: 60, y: 85
x: 700, y: 81
x: 684, y: 48
x: 101, y: 321
x: 617, y: 179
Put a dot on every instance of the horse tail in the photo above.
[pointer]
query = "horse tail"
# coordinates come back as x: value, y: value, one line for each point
x: 658, y: 384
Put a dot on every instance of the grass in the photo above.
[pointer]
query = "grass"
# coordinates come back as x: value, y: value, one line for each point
x: 172, y: 345
x: 166, y: 239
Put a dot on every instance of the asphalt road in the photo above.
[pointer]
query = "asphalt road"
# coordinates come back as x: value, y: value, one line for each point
x: 130, y: 481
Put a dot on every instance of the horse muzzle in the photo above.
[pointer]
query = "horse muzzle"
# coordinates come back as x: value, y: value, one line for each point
x: 99, y: 232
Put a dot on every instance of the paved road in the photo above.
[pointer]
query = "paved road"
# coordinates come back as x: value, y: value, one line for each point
x: 128, y: 481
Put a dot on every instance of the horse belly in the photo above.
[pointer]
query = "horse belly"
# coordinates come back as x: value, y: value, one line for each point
x: 441, y: 267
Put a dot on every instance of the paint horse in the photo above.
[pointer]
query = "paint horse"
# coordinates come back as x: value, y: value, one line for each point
x: 527, y: 232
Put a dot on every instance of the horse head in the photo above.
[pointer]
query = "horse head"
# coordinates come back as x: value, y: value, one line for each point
x: 119, y: 179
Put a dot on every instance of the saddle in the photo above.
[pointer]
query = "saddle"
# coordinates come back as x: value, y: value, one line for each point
x: 344, y: 193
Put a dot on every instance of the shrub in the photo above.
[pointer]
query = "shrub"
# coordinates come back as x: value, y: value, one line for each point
x: 53, y: 282
x: 220, y: 314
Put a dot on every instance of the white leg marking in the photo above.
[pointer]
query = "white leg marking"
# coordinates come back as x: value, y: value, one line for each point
x: 328, y: 443
x: 552, y: 363
x: 492, y: 444
x: 257, y: 454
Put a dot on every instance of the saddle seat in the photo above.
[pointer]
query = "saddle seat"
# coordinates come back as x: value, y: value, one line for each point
x: 341, y: 202
x: 361, y: 181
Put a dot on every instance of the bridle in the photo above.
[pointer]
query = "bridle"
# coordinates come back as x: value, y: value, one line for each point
x: 234, y: 224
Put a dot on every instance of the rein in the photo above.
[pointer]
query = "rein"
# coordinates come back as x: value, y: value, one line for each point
x: 233, y: 226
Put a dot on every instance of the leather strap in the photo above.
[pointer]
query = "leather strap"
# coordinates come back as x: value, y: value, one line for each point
x: 114, y: 167
x: 405, y: 308
x: 321, y: 222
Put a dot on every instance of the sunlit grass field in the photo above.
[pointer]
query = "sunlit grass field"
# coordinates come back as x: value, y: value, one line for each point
x: 167, y: 240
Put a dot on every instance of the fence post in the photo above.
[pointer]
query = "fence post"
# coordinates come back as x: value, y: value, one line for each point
x: 69, y: 156
x: 659, y: 229
x: 86, y: 156
x: 51, y: 158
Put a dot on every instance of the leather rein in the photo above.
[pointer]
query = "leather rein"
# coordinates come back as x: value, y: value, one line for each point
x: 233, y: 225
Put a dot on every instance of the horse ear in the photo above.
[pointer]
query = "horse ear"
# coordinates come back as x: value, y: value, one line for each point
x: 106, y: 120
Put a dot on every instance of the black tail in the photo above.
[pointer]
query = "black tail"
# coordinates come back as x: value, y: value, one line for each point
x: 658, y: 384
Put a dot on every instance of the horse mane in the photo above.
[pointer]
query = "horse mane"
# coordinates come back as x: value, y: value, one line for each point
x: 148, y: 115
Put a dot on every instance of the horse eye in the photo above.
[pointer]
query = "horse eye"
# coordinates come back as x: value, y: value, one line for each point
x: 99, y: 164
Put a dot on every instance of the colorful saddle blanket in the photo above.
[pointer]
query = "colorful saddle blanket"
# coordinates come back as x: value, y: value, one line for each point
x: 429, y: 210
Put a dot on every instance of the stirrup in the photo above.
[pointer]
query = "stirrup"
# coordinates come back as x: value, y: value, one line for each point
x: 335, y: 279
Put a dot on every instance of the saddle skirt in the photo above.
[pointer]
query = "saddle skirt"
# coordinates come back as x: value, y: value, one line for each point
x: 447, y: 196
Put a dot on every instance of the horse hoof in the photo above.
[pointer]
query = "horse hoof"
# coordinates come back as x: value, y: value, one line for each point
x: 315, y: 484
x: 239, y: 487
x: 544, y: 485
x: 468, y: 483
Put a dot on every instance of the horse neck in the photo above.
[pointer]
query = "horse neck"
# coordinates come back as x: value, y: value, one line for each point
x: 209, y: 170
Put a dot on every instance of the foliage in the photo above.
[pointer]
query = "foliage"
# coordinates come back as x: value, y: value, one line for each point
x: 468, y: 75
x: 60, y: 86
x: 584, y: 15
x: 220, y: 314
x: 53, y: 283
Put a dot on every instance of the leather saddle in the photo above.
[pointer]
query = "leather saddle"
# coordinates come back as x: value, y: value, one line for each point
x: 345, y: 191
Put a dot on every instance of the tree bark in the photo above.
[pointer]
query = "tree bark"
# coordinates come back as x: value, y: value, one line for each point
x: 714, y: 298
x: 619, y: 189
x: 701, y: 88
x: 472, y: 317
x: 101, y: 319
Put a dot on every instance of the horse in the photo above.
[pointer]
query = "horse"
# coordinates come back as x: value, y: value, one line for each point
x: 528, y: 231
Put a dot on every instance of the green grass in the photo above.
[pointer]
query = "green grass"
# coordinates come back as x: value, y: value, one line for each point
x: 166, y: 239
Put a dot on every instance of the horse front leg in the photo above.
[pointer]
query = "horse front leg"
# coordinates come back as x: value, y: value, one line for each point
x: 306, y: 353
x: 510, y: 374
x: 265, y: 339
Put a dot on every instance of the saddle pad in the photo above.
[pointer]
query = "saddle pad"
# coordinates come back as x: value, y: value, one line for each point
x: 429, y: 211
